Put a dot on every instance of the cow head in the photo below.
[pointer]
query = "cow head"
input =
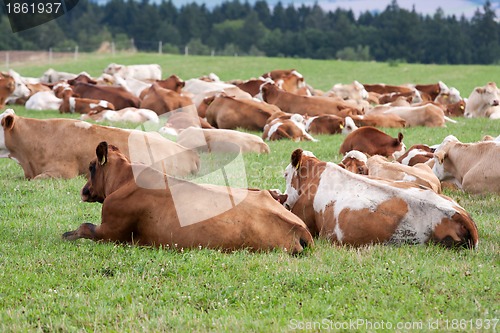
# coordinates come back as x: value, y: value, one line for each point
x: 107, y: 172
x: 481, y: 99
x: 297, y: 173
x: 349, y: 126
x: 355, y: 161
x: 399, y: 146
x: 442, y: 167
x: 7, y: 120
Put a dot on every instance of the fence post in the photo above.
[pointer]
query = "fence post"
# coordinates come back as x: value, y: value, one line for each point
x: 7, y: 60
x: 50, y: 55
x: 76, y: 53
x: 113, y: 48
x: 160, y: 47
x: 186, y: 50
x: 212, y: 53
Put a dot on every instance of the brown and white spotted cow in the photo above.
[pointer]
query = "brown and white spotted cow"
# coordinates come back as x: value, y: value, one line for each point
x: 145, y: 207
x: 290, y: 127
x: 352, y: 209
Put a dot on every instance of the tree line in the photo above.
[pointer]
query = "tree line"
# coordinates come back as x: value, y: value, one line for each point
x: 240, y: 28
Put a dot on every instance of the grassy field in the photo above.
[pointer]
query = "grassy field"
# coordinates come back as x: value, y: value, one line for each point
x: 47, y: 284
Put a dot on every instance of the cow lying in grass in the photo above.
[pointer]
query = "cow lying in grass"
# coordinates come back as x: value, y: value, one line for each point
x: 347, y: 208
x: 144, y: 207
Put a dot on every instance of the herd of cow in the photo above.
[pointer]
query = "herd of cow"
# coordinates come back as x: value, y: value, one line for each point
x: 379, y: 193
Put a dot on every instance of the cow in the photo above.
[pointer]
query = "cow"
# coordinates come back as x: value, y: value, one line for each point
x: 221, y: 140
x: 145, y: 72
x: 118, y: 96
x: 20, y: 93
x: 451, y: 96
x: 382, y: 88
x: 483, y: 102
x: 471, y: 166
x: 354, y: 91
x: 310, y: 105
x: 162, y: 100
x: 199, y: 90
x: 53, y: 76
x: 379, y: 120
x: 428, y: 115
x: 231, y: 112
x: 62, y: 148
x: 411, y: 97
x: 7, y: 87
x: 84, y: 105
x: 330, y: 124
x: 288, y: 127
x: 43, y: 100
x: 373, y: 141
x: 153, y: 209
x: 378, y: 166
x: 135, y: 86
x: 421, y: 174
x: 180, y: 119
x: 433, y: 89
x: 418, y: 153
x: 351, y: 209
x: 252, y: 86
x: 173, y: 82
x: 355, y: 162
x: 127, y: 115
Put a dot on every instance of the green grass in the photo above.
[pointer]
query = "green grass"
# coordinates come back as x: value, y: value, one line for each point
x: 49, y: 285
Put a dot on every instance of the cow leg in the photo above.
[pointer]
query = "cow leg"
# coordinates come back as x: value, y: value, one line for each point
x: 86, y: 230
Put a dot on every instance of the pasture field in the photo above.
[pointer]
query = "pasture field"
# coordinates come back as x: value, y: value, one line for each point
x: 47, y: 284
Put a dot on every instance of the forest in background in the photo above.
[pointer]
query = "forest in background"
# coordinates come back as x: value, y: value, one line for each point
x: 240, y: 28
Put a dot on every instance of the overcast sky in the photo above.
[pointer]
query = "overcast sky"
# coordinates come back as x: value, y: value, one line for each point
x: 450, y: 7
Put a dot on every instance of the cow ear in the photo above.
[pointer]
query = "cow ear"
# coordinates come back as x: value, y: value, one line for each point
x: 440, y: 155
x: 400, y: 137
x: 480, y: 90
x: 8, y: 122
x: 102, y: 153
x: 296, y: 158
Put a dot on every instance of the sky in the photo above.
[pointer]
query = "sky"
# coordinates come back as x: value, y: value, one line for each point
x: 450, y: 7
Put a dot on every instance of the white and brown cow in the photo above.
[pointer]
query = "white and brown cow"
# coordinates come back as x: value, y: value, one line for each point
x: 290, y: 127
x: 330, y: 124
x: 473, y: 167
x: 62, y: 148
x: 483, y: 102
x: 352, y: 209
x: 142, y: 206
x: 84, y: 105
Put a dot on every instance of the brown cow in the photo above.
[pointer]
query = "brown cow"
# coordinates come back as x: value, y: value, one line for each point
x: 352, y: 209
x: 144, y: 207
x: 310, y: 105
x: 381, y: 88
x: 61, y: 148
x: 163, y: 100
x: 230, y: 113
x: 373, y: 141
x: 379, y: 120
x: 118, y: 96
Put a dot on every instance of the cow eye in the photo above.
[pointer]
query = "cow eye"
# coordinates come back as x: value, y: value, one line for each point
x: 92, y: 168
